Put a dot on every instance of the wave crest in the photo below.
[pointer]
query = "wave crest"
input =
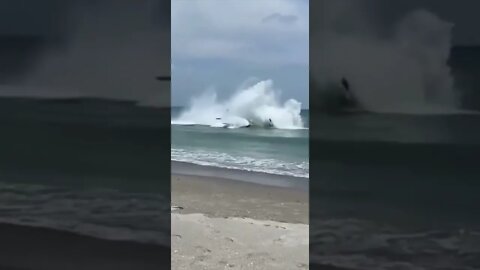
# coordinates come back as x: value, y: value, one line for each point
x: 257, y: 106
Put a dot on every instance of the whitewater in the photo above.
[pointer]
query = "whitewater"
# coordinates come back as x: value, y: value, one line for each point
x: 404, y: 72
x: 251, y: 130
x: 257, y: 105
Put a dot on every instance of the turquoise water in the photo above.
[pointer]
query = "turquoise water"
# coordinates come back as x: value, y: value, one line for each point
x: 274, y: 151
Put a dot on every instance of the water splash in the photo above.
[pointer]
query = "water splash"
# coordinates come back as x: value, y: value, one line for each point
x: 404, y: 72
x: 257, y: 105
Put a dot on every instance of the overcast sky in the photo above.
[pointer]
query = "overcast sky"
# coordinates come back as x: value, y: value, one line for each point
x: 222, y: 43
x: 100, y: 48
x: 462, y: 13
x: 115, y: 48
x: 383, y: 14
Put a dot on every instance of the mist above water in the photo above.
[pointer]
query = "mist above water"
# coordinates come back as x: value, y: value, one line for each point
x: 405, y: 71
x: 256, y: 105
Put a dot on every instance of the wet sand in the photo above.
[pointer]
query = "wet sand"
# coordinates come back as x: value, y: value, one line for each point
x: 34, y: 248
x: 220, y: 223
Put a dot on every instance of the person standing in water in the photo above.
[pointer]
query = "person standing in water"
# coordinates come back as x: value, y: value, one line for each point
x: 345, y: 84
x: 347, y: 92
x: 270, y: 124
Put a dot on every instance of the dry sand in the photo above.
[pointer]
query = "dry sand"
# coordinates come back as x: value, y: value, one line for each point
x: 227, y: 224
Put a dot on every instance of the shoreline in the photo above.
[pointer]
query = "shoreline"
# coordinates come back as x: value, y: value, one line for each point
x: 220, y: 226
x: 226, y: 198
x: 53, y: 249
x: 240, y: 223
x: 252, y: 177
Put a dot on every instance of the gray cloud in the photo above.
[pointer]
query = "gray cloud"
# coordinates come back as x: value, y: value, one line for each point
x: 382, y: 15
x: 394, y: 52
x: 235, y: 29
x: 103, y: 48
x: 277, y: 17
x: 223, y: 43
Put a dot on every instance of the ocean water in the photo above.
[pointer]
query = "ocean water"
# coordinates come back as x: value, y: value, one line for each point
x: 88, y: 166
x: 272, y: 151
x: 395, y: 191
x: 398, y: 188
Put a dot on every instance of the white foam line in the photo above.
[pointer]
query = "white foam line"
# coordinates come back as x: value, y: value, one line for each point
x: 269, y: 166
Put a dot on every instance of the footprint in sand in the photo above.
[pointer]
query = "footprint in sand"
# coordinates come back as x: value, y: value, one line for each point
x: 279, y: 240
x: 302, y: 266
x: 199, y: 260
x: 257, y: 254
x: 203, y: 250
x: 226, y: 264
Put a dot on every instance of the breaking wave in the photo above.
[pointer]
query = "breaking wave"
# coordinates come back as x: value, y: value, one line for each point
x: 254, y: 106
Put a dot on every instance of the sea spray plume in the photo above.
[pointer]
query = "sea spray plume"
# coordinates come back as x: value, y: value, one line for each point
x: 427, y: 39
x: 203, y: 110
x: 260, y: 103
x: 406, y: 72
x: 255, y: 105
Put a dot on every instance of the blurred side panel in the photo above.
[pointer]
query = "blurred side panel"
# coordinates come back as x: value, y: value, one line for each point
x: 395, y: 134
x: 85, y: 134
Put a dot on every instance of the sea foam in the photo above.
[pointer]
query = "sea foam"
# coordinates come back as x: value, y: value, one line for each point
x: 257, y: 105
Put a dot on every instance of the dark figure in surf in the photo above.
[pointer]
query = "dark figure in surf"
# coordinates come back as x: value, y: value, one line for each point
x: 345, y: 84
x: 348, y: 96
x: 270, y: 124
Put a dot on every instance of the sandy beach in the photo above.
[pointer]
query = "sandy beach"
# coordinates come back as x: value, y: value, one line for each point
x: 219, y: 223
x: 28, y: 248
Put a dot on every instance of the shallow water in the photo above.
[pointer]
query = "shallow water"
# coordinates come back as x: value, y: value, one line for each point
x: 275, y: 151
x: 92, y: 167
x: 395, y: 191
